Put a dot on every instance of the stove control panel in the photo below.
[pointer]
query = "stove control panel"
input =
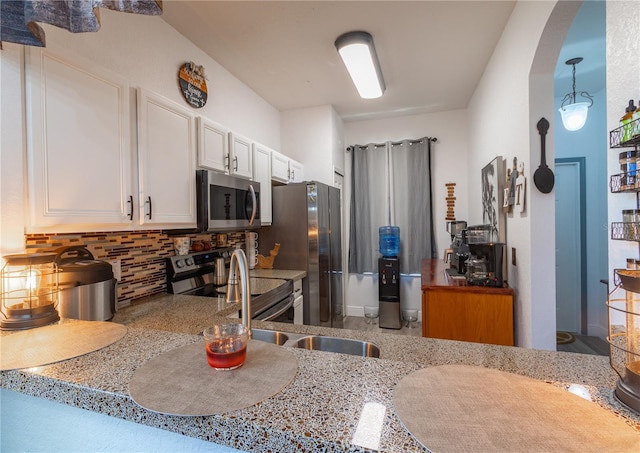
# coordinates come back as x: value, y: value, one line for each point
x: 195, y: 262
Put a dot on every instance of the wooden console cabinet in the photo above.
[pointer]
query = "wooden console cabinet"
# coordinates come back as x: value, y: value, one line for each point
x: 453, y: 310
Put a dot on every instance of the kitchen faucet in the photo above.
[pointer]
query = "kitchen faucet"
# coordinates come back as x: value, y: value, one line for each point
x: 238, y: 265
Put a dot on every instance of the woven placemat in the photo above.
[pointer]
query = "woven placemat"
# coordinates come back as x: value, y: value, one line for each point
x: 466, y: 408
x: 180, y: 382
x: 50, y: 344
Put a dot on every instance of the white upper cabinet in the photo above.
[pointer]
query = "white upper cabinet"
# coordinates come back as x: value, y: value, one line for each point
x: 284, y: 169
x: 262, y: 174
x: 166, y: 162
x: 296, y: 171
x: 240, y: 157
x: 213, y: 145
x: 79, y: 156
x: 279, y: 167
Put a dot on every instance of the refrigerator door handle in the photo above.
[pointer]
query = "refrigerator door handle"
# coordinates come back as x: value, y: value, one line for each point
x: 254, y: 204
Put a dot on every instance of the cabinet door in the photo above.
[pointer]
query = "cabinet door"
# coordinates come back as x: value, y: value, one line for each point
x: 240, y: 156
x: 468, y: 315
x: 213, y: 145
x: 296, y: 171
x: 262, y: 174
x: 166, y: 162
x: 79, y: 152
x: 279, y: 167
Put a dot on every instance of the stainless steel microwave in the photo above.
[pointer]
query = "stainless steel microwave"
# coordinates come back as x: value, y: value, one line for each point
x: 226, y: 202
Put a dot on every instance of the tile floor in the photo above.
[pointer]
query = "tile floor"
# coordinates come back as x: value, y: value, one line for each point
x: 586, y: 345
x: 358, y: 323
x: 582, y: 344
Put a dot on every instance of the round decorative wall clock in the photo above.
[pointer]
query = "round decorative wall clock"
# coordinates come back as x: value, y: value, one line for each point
x: 193, y: 84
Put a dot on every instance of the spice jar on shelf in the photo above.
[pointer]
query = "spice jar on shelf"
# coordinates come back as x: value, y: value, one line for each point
x: 628, y: 164
x: 626, y: 120
x: 631, y: 219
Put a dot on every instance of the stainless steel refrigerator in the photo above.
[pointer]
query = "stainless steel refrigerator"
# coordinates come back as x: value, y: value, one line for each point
x: 306, y: 223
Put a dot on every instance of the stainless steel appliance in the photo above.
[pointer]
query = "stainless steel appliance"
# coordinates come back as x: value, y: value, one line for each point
x: 459, y: 255
x: 389, y: 292
x: 87, y: 286
x: 456, y: 227
x: 484, y: 266
x: 198, y: 274
x: 226, y: 202
x: 479, y: 234
x: 307, y: 225
x: 220, y: 274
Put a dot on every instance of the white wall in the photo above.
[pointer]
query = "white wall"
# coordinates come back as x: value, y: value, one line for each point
x: 590, y: 143
x: 314, y: 137
x: 147, y: 52
x: 623, y: 83
x: 449, y: 155
x: 514, y: 93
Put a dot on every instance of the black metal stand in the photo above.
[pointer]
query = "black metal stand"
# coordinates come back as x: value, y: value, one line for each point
x: 389, y: 292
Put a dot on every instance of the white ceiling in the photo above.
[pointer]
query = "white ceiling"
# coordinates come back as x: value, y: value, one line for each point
x: 586, y: 39
x: 432, y: 53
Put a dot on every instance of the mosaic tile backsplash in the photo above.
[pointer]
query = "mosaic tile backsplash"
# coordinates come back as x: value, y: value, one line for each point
x: 142, y: 256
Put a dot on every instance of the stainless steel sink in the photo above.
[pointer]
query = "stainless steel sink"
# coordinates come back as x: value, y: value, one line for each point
x: 269, y: 336
x: 340, y: 345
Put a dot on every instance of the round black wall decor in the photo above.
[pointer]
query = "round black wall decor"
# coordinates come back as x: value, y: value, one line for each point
x: 193, y: 84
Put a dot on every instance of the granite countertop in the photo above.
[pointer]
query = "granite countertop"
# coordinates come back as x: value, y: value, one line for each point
x: 434, y: 276
x: 319, y: 410
x: 278, y: 273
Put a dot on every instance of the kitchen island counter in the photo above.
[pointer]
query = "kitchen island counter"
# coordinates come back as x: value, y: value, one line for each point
x: 278, y: 273
x: 320, y: 409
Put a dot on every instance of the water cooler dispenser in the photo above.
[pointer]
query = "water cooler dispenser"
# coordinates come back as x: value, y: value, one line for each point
x: 389, y: 277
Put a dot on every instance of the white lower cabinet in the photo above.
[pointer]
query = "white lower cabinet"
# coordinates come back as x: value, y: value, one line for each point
x: 262, y: 174
x: 79, y: 156
x: 166, y: 162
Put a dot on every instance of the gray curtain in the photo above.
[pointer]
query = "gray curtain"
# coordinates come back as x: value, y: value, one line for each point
x: 411, y: 205
x: 391, y: 185
x: 369, y: 205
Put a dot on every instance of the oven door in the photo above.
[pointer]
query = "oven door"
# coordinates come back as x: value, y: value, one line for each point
x: 227, y: 202
x: 279, y: 312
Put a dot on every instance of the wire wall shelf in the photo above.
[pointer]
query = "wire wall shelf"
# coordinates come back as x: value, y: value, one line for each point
x: 626, y: 136
x: 625, y: 231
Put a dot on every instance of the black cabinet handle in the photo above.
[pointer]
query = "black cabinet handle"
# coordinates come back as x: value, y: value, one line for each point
x: 235, y: 163
x: 150, y: 207
x: 227, y: 165
x: 130, y: 207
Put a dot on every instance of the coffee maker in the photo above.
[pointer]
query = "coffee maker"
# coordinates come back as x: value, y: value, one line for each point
x: 458, y: 248
x: 484, y: 266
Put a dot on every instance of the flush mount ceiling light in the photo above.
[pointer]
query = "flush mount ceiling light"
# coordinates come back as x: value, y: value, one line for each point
x: 359, y: 56
x: 574, y: 114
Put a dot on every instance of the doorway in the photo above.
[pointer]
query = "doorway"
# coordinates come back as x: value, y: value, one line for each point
x: 571, y: 265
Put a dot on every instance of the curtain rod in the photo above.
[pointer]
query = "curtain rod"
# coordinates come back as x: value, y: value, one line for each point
x: 378, y: 145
